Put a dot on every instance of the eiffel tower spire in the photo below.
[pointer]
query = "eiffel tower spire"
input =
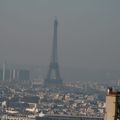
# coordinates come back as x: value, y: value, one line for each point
x: 54, y: 47
x: 53, y: 76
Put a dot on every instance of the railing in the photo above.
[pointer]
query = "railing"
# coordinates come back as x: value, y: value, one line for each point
x: 58, y: 117
x: 48, y: 117
x: 16, y: 117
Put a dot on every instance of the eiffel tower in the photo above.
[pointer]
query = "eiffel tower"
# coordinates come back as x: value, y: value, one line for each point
x: 53, y: 76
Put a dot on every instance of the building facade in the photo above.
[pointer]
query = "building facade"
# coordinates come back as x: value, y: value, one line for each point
x: 112, y: 110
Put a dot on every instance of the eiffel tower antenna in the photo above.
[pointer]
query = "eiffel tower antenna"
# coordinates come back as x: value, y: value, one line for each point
x: 53, y: 76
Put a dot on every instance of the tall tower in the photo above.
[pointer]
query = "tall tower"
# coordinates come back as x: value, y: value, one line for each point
x: 53, y: 76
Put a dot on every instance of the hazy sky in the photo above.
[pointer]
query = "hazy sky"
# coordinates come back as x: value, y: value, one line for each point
x: 88, y: 32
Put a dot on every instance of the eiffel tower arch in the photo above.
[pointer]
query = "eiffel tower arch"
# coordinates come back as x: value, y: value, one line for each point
x: 53, y: 77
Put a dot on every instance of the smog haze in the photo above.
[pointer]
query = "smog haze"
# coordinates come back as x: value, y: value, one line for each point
x: 88, y: 32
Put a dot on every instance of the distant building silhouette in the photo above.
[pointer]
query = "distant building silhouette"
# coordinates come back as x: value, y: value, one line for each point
x: 12, y: 75
x: 53, y: 77
x: 24, y: 75
x: 4, y: 71
x: 4, y: 75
